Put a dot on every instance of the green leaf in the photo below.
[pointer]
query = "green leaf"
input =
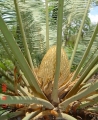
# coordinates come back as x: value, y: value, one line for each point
x: 80, y: 95
x: 22, y: 61
x: 24, y: 100
x: 54, y: 95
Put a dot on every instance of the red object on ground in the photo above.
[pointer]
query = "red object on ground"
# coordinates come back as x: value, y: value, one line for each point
x: 4, y: 98
x: 4, y: 106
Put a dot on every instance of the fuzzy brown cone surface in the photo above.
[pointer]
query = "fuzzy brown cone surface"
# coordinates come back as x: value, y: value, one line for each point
x: 47, y: 68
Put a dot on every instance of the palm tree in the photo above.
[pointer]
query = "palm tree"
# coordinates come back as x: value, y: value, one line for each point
x: 49, y: 90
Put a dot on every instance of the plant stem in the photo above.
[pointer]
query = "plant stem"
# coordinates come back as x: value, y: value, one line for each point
x: 25, y: 99
x: 78, y: 96
x: 94, y: 70
x: 75, y: 87
x: 47, y: 26
x: 11, y: 115
x: 65, y: 117
x: 28, y: 56
x: 79, y: 34
x: 23, y: 64
x: 54, y: 95
x: 86, y: 53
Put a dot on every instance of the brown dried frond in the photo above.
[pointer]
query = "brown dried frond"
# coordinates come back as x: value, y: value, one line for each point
x: 66, y: 83
x: 66, y: 89
x: 48, y: 88
x: 35, y: 107
x: 84, y: 115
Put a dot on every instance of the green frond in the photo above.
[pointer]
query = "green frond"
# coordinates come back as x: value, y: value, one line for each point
x: 37, y: 80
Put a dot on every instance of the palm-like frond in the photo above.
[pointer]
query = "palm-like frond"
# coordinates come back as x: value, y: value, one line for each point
x: 46, y: 87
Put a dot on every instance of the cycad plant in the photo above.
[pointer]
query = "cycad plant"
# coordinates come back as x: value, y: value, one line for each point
x: 49, y: 90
